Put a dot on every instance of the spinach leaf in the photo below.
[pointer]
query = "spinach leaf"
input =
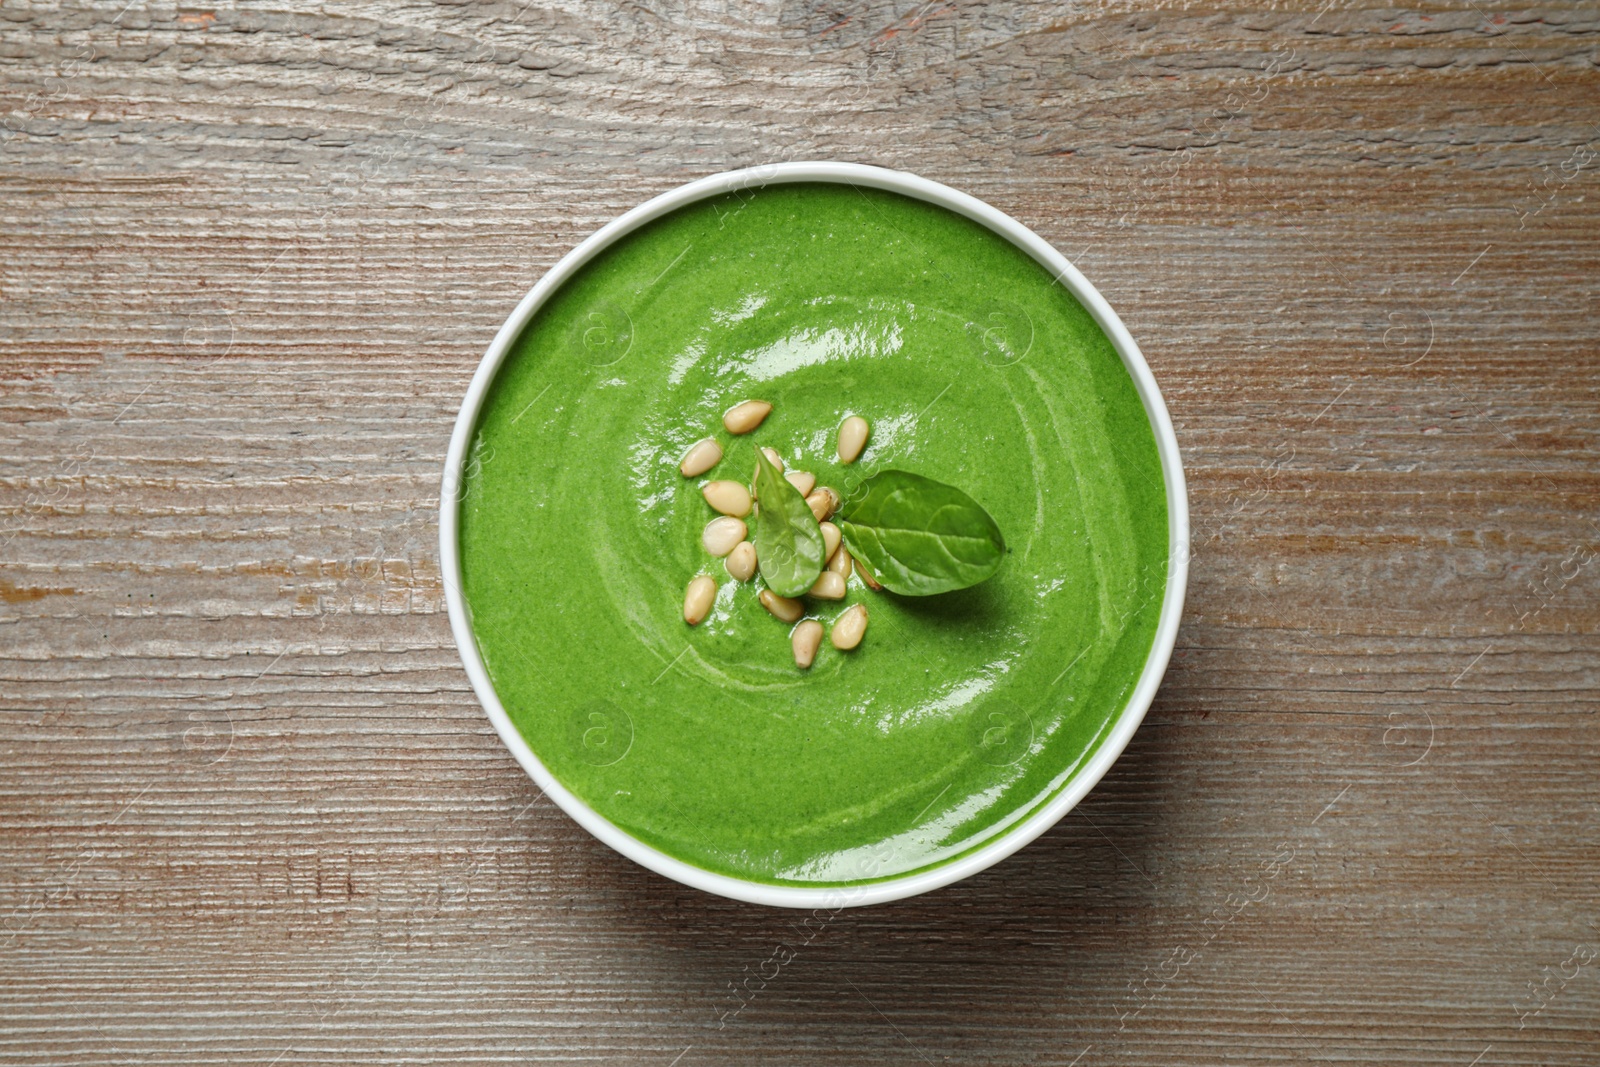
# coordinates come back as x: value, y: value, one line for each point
x: 919, y: 536
x: 788, y: 540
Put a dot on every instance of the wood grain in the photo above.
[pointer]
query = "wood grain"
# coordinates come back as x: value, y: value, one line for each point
x: 249, y: 809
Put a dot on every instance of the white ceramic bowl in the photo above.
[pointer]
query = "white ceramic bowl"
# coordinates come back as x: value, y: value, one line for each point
x: 1177, y: 543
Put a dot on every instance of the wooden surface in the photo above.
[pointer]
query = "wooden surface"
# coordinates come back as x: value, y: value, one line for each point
x: 250, y: 811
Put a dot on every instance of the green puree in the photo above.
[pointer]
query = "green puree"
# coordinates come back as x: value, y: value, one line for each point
x: 959, y: 714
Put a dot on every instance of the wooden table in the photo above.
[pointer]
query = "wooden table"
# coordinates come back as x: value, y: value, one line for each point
x: 250, y: 811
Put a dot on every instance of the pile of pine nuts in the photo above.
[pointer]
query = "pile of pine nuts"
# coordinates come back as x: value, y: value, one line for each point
x: 727, y: 537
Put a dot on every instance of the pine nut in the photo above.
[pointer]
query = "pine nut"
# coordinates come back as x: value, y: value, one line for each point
x: 807, y: 638
x: 772, y: 458
x: 700, y: 458
x: 723, y: 534
x: 742, y: 418
x: 852, y: 438
x: 781, y: 606
x: 802, y: 481
x: 849, y: 628
x: 741, y: 562
x: 829, y: 586
x: 840, y: 564
x: 730, y: 498
x: 830, y: 540
x: 824, y: 502
x: 866, y: 576
x: 697, y: 601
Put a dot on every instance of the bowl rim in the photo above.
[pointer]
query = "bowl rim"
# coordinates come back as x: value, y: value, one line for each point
x: 1046, y: 815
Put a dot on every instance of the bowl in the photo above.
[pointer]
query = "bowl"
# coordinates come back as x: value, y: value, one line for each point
x: 1043, y: 816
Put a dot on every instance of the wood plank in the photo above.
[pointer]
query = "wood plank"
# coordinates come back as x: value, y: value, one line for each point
x: 250, y: 811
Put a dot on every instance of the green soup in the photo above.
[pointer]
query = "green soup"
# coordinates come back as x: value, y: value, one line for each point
x: 959, y: 714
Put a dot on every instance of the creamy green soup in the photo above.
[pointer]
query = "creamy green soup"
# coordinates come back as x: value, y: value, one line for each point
x: 959, y: 714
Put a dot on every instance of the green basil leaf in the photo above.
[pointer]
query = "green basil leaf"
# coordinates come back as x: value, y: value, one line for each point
x: 918, y: 536
x: 788, y: 540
